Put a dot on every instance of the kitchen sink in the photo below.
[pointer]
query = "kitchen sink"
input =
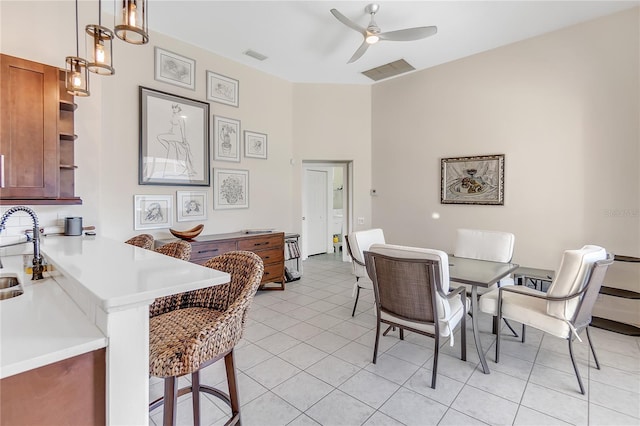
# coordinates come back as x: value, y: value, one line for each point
x: 9, y: 287
x: 9, y: 294
x: 8, y: 282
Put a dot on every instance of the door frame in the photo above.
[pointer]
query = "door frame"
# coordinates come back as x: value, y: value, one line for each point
x: 347, y: 199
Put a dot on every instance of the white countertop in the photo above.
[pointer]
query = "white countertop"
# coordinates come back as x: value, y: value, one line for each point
x: 41, y: 326
x: 117, y: 275
x: 55, y: 317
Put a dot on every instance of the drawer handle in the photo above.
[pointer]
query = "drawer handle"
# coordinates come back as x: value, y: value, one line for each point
x: 266, y: 273
x: 267, y: 257
x: 207, y: 251
x: 260, y: 244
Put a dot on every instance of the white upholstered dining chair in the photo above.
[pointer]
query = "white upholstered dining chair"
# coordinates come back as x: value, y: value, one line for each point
x: 411, y: 288
x: 565, y: 310
x: 357, y: 243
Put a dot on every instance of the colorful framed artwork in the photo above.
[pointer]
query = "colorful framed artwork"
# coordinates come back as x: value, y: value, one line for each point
x: 472, y: 180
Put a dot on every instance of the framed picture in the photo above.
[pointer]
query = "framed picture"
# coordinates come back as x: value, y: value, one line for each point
x: 472, y: 180
x: 231, y: 189
x: 226, y: 139
x: 191, y: 205
x: 174, y: 140
x: 175, y: 69
x: 152, y: 211
x: 255, y: 145
x: 222, y: 89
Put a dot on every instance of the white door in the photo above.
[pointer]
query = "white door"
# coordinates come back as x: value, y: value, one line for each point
x: 315, y: 211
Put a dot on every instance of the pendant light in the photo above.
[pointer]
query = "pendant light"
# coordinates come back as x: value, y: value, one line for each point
x: 100, y: 41
x: 76, y: 71
x: 131, y: 21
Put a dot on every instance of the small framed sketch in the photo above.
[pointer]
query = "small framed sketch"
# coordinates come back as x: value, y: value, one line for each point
x: 255, y: 145
x: 175, y: 69
x: 222, y: 89
x: 231, y: 189
x: 191, y: 205
x: 226, y: 139
x: 472, y: 180
x: 152, y: 211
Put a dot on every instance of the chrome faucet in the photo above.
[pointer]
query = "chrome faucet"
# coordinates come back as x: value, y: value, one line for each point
x: 37, y: 257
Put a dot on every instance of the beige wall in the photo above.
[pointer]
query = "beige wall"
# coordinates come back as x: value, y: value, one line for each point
x: 562, y: 107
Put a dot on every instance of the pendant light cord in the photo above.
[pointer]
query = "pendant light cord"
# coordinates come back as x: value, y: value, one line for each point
x: 77, y: 42
x: 100, y: 12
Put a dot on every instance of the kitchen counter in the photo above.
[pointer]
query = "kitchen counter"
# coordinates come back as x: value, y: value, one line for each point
x: 41, y: 326
x: 96, y: 295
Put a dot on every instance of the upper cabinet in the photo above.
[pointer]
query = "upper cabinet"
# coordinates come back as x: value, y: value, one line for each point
x: 36, y: 134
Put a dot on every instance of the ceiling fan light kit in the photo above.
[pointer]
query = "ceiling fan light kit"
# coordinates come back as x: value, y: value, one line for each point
x: 372, y: 33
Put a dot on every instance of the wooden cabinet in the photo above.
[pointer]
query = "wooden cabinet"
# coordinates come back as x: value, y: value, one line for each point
x: 72, y: 391
x: 269, y: 246
x: 36, y: 134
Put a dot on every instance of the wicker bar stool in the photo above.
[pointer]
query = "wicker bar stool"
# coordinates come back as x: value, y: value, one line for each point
x: 199, y: 328
x: 144, y: 241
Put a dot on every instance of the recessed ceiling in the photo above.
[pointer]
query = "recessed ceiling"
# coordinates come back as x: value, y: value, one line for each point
x: 304, y: 43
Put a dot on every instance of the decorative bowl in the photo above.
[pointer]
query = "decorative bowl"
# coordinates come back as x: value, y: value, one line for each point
x: 188, y: 234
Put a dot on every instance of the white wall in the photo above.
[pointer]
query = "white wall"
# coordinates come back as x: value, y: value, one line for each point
x: 562, y: 107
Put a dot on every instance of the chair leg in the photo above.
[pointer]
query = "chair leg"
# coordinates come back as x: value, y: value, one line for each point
x: 435, y: 362
x: 510, y: 328
x: 170, y: 401
x: 356, y: 302
x: 402, y: 334
x: 232, y: 381
x: 463, y: 338
x: 523, y: 330
x: 195, y: 397
x: 498, y: 336
x: 375, y: 347
x: 575, y: 366
x: 593, y: 350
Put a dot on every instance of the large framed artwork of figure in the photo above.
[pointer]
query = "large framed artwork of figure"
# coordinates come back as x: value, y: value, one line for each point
x: 472, y: 180
x: 174, y: 140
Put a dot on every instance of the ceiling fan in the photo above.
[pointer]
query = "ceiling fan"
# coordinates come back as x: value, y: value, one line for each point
x: 372, y: 33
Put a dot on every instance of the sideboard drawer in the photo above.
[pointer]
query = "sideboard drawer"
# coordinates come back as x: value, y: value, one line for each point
x: 273, y: 273
x: 261, y: 242
x: 207, y: 250
x: 273, y: 255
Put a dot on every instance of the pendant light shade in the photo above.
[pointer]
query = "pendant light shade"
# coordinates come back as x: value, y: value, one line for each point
x: 131, y: 21
x: 76, y: 71
x: 77, y: 76
x: 100, y: 41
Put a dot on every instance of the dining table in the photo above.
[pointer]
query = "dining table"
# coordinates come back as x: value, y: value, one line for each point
x: 478, y: 273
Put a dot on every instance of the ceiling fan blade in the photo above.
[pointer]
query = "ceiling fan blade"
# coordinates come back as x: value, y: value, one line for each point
x: 409, y: 34
x: 363, y: 48
x: 348, y: 22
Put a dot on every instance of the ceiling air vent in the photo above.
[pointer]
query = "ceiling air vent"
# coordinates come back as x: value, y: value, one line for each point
x: 389, y: 70
x: 255, y: 55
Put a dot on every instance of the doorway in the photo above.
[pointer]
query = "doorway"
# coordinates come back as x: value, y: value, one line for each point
x: 326, y: 209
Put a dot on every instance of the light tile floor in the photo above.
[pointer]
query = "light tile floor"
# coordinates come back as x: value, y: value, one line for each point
x: 304, y: 360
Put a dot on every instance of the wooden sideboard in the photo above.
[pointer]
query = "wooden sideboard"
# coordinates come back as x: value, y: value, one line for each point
x: 269, y: 246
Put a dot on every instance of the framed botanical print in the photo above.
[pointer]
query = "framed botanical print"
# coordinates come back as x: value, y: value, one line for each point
x: 226, y: 139
x: 231, y: 189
